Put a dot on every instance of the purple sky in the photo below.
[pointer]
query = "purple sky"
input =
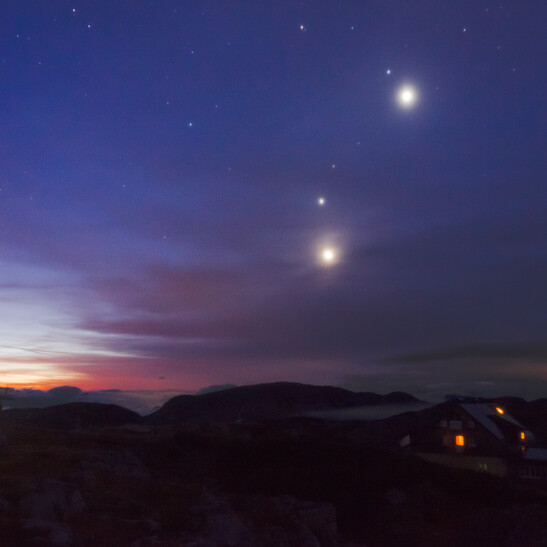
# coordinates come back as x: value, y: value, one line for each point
x: 160, y: 170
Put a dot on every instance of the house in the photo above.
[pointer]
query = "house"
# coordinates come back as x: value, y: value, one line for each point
x: 481, y: 437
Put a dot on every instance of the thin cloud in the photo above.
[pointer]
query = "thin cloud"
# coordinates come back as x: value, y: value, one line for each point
x: 532, y: 351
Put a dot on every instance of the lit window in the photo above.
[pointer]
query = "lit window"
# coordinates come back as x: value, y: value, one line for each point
x: 460, y: 441
x: 500, y: 410
x: 522, y: 435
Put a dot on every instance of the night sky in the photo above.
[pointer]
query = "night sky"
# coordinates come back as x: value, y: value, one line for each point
x: 333, y: 192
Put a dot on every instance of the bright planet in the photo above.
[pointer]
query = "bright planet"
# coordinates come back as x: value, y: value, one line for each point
x: 328, y: 255
x: 407, y: 96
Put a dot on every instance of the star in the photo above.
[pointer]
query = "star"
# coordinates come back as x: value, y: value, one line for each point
x: 321, y: 201
x: 388, y: 71
x: 303, y: 28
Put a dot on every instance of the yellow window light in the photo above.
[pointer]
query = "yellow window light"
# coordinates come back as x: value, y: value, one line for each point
x: 460, y: 441
x: 522, y: 435
x: 500, y: 410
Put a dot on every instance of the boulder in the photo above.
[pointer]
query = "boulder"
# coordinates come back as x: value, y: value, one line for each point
x: 304, y: 522
x: 320, y: 519
x: 395, y: 496
x: 150, y: 541
x: 5, y: 505
x: 219, y: 523
x: 86, y: 480
x: 119, y: 462
x: 44, y: 532
x: 52, y: 500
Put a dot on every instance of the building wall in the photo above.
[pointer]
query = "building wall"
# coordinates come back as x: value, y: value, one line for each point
x: 478, y: 440
x: 481, y: 464
x: 532, y: 470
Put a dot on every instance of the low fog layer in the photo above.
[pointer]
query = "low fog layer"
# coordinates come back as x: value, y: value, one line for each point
x: 141, y: 401
x: 376, y: 412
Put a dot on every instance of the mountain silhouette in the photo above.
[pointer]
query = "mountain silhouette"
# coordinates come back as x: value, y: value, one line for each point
x: 70, y: 416
x: 266, y: 401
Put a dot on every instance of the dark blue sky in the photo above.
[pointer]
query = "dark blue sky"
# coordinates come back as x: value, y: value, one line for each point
x: 160, y: 166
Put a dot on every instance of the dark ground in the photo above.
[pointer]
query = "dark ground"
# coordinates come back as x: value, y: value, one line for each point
x: 289, y: 482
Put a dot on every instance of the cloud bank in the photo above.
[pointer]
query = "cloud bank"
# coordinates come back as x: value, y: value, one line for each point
x: 140, y: 401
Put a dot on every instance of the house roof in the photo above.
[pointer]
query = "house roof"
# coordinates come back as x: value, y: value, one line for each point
x: 536, y: 454
x: 487, y: 416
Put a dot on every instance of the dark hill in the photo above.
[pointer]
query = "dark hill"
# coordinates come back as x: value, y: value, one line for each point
x: 266, y: 401
x: 70, y: 416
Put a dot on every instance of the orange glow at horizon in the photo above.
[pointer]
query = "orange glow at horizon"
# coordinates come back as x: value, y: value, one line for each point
x: 97, y: 378
x: 43, y: 380
x: 123, y: 383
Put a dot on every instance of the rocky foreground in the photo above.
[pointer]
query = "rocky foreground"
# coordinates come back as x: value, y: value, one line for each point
x: 299, y: 482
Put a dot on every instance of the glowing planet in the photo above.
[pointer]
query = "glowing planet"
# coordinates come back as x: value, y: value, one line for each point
x: 328, y: 255
x: 321, y: 201
x: 407, y: 96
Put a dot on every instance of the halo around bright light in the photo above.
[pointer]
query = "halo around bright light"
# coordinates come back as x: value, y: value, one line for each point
x: 407, y: 96
x: 328, y: 256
